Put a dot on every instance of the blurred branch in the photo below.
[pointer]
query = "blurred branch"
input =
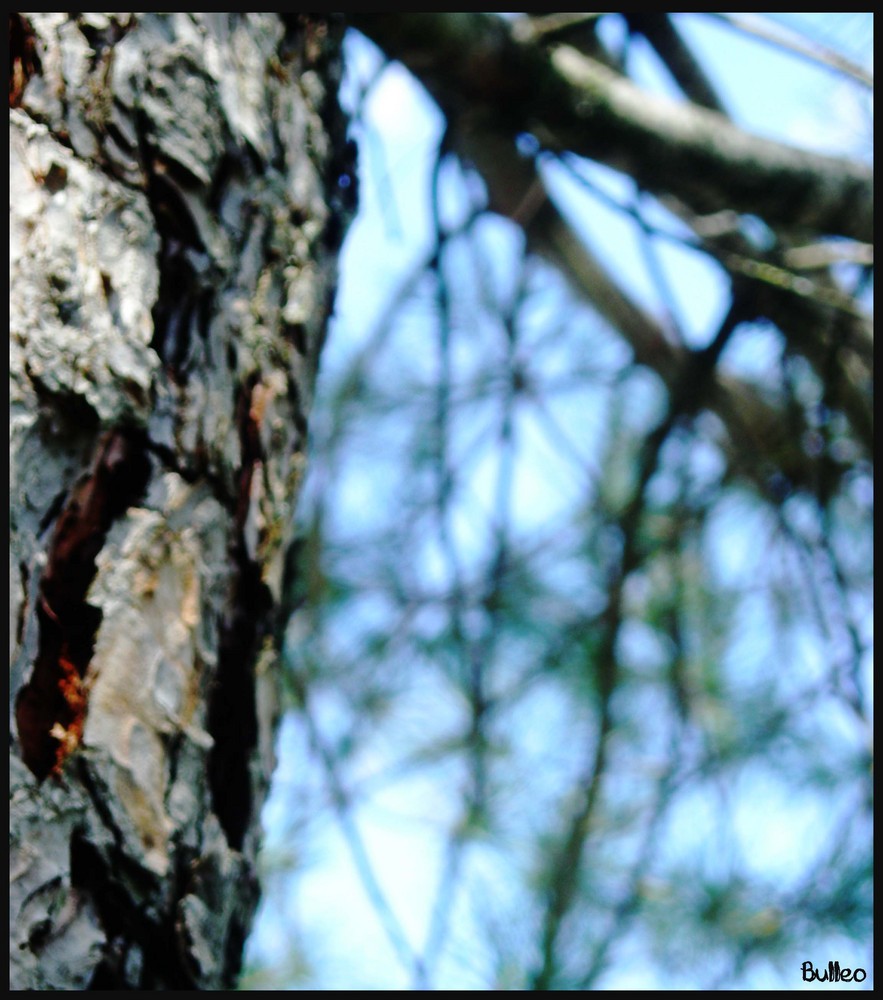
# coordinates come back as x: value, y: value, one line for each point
x: 702, y: 158
x: 767, y: 30
x: 343, y: 808
x: 467, y: 63
x: 471, y: 64
x: 530, y: 27
x: 815, y: 555
x: 659, y: 31
x: 564, y: 878
x: 536, y: 27
x: 630, y: 902
x: 516, y: 189
x: 825, y: 327
x: 828, y: 252
x: 600, y: 610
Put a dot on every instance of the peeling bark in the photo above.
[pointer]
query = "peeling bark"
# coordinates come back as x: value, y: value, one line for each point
x: 175, y: 219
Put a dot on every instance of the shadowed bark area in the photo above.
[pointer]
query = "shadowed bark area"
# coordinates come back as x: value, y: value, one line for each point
x: 175, y: 221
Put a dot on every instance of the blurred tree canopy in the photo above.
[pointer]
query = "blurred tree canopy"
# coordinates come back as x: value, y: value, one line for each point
x: 586, y: 550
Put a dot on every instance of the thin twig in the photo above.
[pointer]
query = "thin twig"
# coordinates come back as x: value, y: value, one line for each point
x: 773, y: 33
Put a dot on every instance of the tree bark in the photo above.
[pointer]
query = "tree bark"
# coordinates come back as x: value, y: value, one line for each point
x: 179, y: 188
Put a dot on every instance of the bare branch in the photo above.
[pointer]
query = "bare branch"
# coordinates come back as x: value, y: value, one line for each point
x: 516, y: 190
x: 705, y: 160
x: 828, y: 252
x: 470, y: 63
x: 528, y: 28
x: 767, y: 30
x: 657, y: 28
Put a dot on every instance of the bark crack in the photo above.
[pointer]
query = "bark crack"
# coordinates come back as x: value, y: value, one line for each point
x: 23, y: 59
x: 51, y: 708
x: 232, y: 713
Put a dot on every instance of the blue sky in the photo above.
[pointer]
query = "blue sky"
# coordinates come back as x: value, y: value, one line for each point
x: 327, y: 901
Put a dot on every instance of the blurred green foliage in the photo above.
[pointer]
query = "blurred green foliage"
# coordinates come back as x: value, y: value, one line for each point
x: 616, y: 691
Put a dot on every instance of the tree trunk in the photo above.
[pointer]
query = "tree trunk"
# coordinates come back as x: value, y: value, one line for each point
x: 179, y: 187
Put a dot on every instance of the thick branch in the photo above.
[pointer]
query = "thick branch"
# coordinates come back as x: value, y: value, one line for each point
x: 478, y: 74
x: 756, y: 430
x: 708, y: 162
x: 657, y: 28
x: 572, y: 102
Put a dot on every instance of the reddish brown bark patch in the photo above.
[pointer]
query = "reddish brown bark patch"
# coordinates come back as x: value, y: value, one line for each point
x: 51, y: 708
x: 23, y: 59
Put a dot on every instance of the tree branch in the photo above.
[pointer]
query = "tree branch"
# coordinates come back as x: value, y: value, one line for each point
x: 492, y: 87
x: 657, y: 28
x: 767, y: 30
x: 572, y: 102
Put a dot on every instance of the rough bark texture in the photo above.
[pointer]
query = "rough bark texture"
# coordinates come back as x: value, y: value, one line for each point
x: 178, y: 194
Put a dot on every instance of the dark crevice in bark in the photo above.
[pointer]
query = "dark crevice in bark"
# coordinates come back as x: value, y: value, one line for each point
x: 296, y: 334
x: 200, y: 879
x: 100, y: 797
x: 52, y: 512
x: 228, y: 168
x: 103, y: 40
x: 141, y: 949
x: 64, y: 408
x: 181, y: 298
x: 184, y: 300
x: 144, y: 947
x: 51, y: 708
x: 175, y: 305
x: 232, y: 714
x: 199, y: 472
x: 232, y: 711
x: 24, y: 577
x: 40, y: 933
x: 168, y: 200
x: 23, y: 59
x: 234, y: 946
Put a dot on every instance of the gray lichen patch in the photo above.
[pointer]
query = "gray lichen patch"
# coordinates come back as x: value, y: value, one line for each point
x: 83, y: 264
